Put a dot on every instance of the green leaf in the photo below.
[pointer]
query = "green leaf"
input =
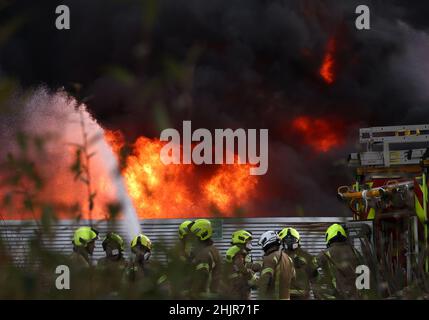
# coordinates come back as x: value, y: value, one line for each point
x: 113, y: 209
x: 48, y: 218
x: 28, y: 203
x: 7, y: 199
x: 91, y: 200
x: 92, y: 154
x: 22, y: 140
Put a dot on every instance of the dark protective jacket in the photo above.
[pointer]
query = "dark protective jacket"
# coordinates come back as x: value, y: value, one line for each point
x: 107, y: 263
x: 276, y: 275
x: 304, y: 269
x: 179, y: 265
x: 206, y: 270
x: 113, y: 275
x: 238, y: 277
x: 337, y: 272
x: 147, y: 279
x: 81, y: 273
x: 80, y: 258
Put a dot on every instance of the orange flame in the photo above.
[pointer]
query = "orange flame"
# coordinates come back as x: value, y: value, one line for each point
x: 232, y: 184
x: 115, y: 139
x: 321, y: 134
x: 179, y: 191
x: 326, y: 71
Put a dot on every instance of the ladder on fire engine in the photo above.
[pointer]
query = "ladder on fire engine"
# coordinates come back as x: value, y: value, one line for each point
x: 400, y: 150
x: 392, y: 146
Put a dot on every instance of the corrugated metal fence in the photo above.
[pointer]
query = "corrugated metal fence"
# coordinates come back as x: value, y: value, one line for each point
x: 16, y: 234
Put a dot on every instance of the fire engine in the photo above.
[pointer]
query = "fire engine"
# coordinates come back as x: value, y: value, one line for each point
x: 390, y: 191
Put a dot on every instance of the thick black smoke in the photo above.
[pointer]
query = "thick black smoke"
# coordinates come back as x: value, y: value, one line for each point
x: 145, y: 65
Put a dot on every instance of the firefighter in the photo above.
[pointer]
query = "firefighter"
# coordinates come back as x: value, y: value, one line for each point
x: 243, y: 239
x: 277, y: 269
x: 336, y: 266
x: 83, y: 246
x: 206, y: 264
x: 141, y: 247
x: 183, y: 247
x: 113, y: 246
x: 302, y: 261
x: 147, y: 276
x: 179, y: 263
x: 81, y: 270
x: 239, y: 274
x: 112, y: 269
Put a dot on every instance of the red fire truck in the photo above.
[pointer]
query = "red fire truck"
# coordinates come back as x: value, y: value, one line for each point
x: 391, y: 190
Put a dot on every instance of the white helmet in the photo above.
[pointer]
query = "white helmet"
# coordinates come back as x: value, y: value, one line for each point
x: 268, y: 238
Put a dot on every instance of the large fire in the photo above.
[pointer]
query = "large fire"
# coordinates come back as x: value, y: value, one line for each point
x: 326, y: 70
x: 320, y: 133
x: 178, y: 190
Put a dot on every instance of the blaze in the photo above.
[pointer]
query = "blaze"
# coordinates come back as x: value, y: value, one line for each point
x: 115, y: 139
x: 179, y: 190
x: 231, y: 184
x: 320, y: 133
x: 76, y: 178
x: 326, y: 70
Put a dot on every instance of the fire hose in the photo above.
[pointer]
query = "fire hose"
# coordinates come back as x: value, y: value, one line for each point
x: 355, y: 198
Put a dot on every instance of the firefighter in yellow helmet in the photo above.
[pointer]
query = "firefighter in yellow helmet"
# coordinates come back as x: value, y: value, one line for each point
x: 113, y: 268
x: 179, y: 262
x: 206, y: 263
x: 336, y: 266
x: 83, y: 246
x: 81, y: 269
x: 113, y: 246
x: 184, y: 248
x: 141, y: 247
x: 303, y: 263
x: 277, y: 269
x: 239, y: 276
x: 148, y: 276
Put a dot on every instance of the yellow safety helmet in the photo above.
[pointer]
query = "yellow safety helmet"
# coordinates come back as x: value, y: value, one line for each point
x: 83, y: 235
x: 289, y: 232
x: 142, y: 240
x: 202, y: 228
x: 241, y: 237
x: 231, y: 252
x: 115, y: 238
x: 184, y: 228
x: 290, y: 238
x: 335, y: 231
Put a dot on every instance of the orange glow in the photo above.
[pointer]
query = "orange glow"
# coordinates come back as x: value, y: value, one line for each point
x: 115, y: 139
x: 327, y: 69
x: 321, y: 134
x: 177, y: 190
x: 232, y: 184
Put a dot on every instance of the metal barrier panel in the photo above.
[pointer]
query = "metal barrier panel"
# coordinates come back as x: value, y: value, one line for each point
x: 16, y: 234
